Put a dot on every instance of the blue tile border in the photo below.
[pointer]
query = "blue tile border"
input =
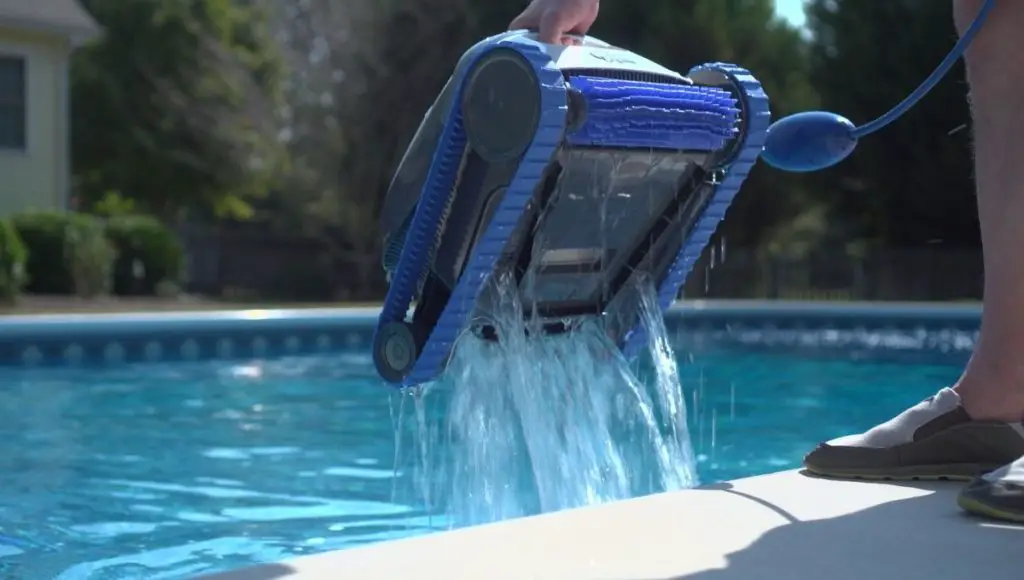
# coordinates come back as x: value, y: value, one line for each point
x: 105, y: 339
x: 935, y: 333
x: 91, y: 339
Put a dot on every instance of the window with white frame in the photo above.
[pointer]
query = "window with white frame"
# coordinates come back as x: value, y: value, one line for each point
x: 13, y: 101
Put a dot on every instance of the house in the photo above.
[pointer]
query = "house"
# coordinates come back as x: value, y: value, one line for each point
x: 37, y: 38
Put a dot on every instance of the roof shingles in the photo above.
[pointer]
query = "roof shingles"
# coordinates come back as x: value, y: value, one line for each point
x: 63, y: 16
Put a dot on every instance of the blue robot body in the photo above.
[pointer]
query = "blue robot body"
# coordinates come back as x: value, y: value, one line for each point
x: 575, y: 169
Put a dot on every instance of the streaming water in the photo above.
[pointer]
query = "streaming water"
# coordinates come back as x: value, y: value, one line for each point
x: 531, y: 424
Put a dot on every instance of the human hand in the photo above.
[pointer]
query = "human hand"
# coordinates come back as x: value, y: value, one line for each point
x: 553, y: 19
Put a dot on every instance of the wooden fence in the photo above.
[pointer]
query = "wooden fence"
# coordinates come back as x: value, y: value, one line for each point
x: 248, y: 261
x: 253, y: 262
x: 899, y: 274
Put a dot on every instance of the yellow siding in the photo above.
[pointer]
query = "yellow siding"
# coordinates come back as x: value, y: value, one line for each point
x: 38, y: 178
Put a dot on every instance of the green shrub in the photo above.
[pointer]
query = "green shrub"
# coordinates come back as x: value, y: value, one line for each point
x: 90, y: 258
x: 68, y: 253
x: 13, y: 256
x: 150, y: 257
x: 44, y: 235
x: 113, y: 204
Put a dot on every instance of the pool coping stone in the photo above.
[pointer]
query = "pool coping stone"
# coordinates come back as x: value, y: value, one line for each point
x: 786, y: 526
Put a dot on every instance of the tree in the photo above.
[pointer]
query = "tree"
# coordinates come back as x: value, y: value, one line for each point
x: 176, y: 106
x: 911, y: 183
x: 323, y: 44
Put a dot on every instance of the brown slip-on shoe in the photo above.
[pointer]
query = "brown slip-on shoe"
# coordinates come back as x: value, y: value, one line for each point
x: 998, y: 495
x: 935, y: 439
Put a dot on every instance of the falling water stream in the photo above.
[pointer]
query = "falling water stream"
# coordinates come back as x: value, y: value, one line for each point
x: 533, y: 424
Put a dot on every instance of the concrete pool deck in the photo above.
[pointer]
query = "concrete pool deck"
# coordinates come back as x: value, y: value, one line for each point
x: 783, y: 526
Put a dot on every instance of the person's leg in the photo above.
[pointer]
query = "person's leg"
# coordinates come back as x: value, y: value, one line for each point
x: 975, y: 426
x: 993, y: 384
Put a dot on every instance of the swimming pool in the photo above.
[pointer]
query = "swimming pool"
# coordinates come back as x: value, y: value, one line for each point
x: 163, y: 447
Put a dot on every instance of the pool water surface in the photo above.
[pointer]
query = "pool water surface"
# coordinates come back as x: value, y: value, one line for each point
x: 165, y: 471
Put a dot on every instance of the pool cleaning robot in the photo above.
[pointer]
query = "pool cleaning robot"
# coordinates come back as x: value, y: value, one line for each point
x: 575, y: 169
x: 578, y: 171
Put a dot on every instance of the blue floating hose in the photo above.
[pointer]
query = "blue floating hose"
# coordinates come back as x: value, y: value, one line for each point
x: 816, y: 140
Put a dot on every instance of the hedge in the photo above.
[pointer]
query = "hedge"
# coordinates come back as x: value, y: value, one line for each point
x: 80, y: 254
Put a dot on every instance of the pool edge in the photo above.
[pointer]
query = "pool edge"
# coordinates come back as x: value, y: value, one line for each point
x: 367, y: 313
x: 784, y: 525
x: 75, y: 339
